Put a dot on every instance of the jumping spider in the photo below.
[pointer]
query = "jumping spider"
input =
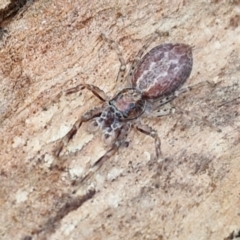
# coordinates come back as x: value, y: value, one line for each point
x: 154, y: 80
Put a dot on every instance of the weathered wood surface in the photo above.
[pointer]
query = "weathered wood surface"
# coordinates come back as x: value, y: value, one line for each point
x: 192, y: 194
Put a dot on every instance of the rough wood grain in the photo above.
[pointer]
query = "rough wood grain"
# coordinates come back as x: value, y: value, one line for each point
x: 192, y: 194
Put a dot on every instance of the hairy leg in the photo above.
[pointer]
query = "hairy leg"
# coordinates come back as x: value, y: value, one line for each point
x: 114, y: 46
x: 86, y: 117
x: 161, y: 111
x: 159, y: 107
x: 152, y: 133
x: 94, y: 89
x: 120, y: 141
x: 142, y: 51
x: 100, y: 94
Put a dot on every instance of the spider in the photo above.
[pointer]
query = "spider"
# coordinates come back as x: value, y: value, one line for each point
x: 154, y: 80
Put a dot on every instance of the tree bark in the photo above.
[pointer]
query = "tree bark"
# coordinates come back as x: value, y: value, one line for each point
x: 48, y: 47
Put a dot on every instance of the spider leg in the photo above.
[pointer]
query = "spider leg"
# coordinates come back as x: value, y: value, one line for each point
x: 192, y: 87
x: 114, y: 46
x: 94, y: 89
x: 195, y: 86
x: 152, y: 133
x: 143, y: 49
x: 85, y: 118
x: 156, y: 108
x: 120, y: 141
x: 161, y: 111
x: 201, y: 120
x: 165, y: 99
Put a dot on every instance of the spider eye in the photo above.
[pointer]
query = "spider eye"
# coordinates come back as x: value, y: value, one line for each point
x: 131, y: 106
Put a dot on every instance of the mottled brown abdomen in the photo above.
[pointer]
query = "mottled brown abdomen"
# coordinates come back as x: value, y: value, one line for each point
x: 163, y: 70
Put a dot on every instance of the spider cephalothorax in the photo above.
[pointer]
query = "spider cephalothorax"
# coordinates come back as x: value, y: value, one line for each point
x: 128, y: 104
x: 154, y: 80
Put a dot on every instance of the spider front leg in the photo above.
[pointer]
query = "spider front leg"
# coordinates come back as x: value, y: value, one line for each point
x: 114, y: 46
x: 120, y: 140
x: 93, y: 113
x: 100, y: 94
x: 142, y: 50
x: 152, y: 133
x: 95, y: 90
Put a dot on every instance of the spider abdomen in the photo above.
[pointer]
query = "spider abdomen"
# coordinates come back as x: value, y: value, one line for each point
x: 163, y: 70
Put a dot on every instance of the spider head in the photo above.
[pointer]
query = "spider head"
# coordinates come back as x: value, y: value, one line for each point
x: 128, y: 104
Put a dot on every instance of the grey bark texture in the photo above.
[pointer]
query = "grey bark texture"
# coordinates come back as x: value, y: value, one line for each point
x: 192, y: 193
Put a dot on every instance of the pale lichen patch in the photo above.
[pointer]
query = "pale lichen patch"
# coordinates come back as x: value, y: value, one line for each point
x: 114, y: 173
x: 22, y: 195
